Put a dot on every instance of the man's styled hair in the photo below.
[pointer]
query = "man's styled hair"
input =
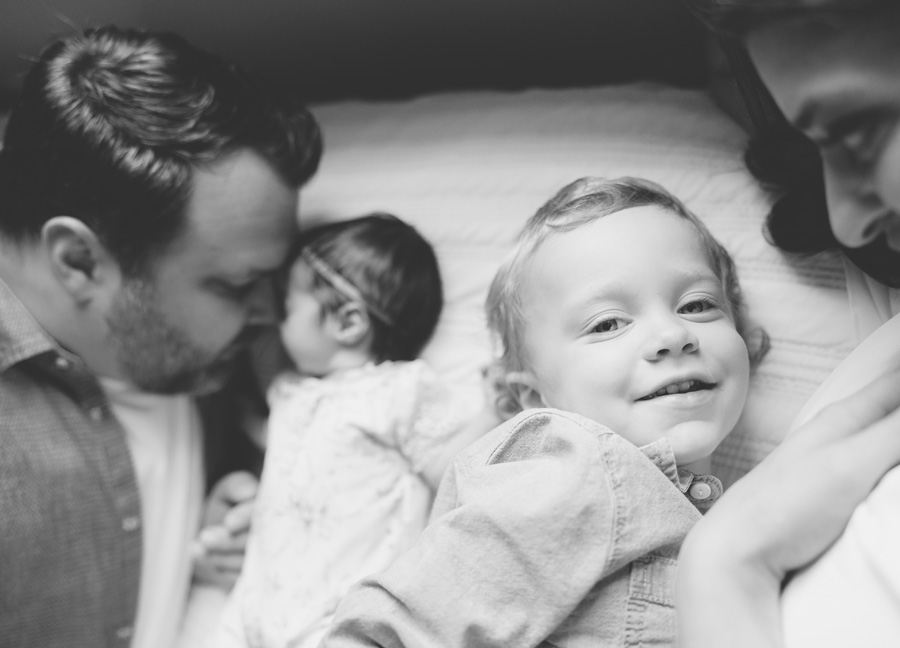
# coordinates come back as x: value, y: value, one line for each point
x: 577, y: 204
x: 110, y: 125
x: 394, y: 270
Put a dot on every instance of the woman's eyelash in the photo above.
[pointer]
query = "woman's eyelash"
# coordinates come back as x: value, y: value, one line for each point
x: 843, y: 127
x: 859, y: 134
x: 857, y: 142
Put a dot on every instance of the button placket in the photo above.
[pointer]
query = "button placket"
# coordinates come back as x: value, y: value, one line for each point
x: 131, y: 523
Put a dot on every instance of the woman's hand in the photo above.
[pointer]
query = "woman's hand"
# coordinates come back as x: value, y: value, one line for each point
x: 781, y: 516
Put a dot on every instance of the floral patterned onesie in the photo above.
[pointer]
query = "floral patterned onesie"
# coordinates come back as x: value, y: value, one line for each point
x: 340, y: 496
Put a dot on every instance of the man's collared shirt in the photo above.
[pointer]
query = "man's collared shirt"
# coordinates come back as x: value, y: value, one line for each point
x: 72, y: 523
x: 70, y: 537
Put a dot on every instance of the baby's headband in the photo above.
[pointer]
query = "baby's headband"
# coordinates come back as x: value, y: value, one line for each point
x: 343, y: 285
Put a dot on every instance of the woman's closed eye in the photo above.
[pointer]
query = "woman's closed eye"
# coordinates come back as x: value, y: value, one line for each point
x: 860, y: 136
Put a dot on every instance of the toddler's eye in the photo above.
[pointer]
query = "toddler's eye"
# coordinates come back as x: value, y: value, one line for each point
x: 697, y: 306
x: 608, y: 325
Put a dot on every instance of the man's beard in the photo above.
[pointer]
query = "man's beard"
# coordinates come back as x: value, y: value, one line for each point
x: 154, y: 355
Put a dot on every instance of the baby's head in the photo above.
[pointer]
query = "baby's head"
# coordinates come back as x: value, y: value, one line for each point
x: 618, y: 304
x: 366, y: 289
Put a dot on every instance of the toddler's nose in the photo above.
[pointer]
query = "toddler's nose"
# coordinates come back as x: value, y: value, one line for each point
x: 673, y: 340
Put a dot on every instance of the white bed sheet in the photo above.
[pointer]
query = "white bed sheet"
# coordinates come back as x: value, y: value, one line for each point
x: 469, y: 168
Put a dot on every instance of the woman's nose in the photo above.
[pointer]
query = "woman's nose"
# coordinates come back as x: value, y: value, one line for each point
x: 856, y: 214
x: 671, y: 340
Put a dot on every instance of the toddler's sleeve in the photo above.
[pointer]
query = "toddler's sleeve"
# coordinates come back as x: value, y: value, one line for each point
x: 528, y: 537
x: 538, y: 516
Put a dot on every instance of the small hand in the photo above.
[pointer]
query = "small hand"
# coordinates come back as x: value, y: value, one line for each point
x: 219, y: 547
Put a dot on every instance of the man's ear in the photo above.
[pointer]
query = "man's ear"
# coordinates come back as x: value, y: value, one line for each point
x: 524, y: 387
x: 352, y: 322
x: 78, y: 260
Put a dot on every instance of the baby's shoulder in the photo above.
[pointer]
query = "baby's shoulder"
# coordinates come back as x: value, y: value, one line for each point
x: 389, y: 374
x: 407, y: 372
x: 412, y: 385
x: 289, y: 385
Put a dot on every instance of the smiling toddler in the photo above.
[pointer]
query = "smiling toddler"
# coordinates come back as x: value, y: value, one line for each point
x: 619, y: 318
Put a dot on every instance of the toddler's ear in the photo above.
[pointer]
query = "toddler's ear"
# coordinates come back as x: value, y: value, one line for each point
x: 524, y: 387
x: 352, y: 323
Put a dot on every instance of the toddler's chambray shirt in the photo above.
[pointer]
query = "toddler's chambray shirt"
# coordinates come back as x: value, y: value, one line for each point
x: 551, y: 530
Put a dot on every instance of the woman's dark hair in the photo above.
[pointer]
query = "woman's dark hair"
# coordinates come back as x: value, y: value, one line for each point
x: 787, y: 162
x: 395, y: 270
x: 782, y: 158
x: 110, y: 125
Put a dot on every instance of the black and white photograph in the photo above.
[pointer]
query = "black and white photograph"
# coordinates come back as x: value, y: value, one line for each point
x: 449, y: 323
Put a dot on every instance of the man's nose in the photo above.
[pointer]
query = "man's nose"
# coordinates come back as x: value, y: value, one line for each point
x: 262, y: 304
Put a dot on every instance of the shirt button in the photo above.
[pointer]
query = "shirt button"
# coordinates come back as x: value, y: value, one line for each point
x: 124, y: 632
x: 96, y: 413
x: 700, y: 491
x: 61, y: 363
x: 131, y: 523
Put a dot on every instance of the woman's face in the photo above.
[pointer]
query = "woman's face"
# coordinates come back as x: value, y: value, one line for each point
x: 838, y: 81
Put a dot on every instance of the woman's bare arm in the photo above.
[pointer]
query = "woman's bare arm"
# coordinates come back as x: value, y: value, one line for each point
x: 781, y: 516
